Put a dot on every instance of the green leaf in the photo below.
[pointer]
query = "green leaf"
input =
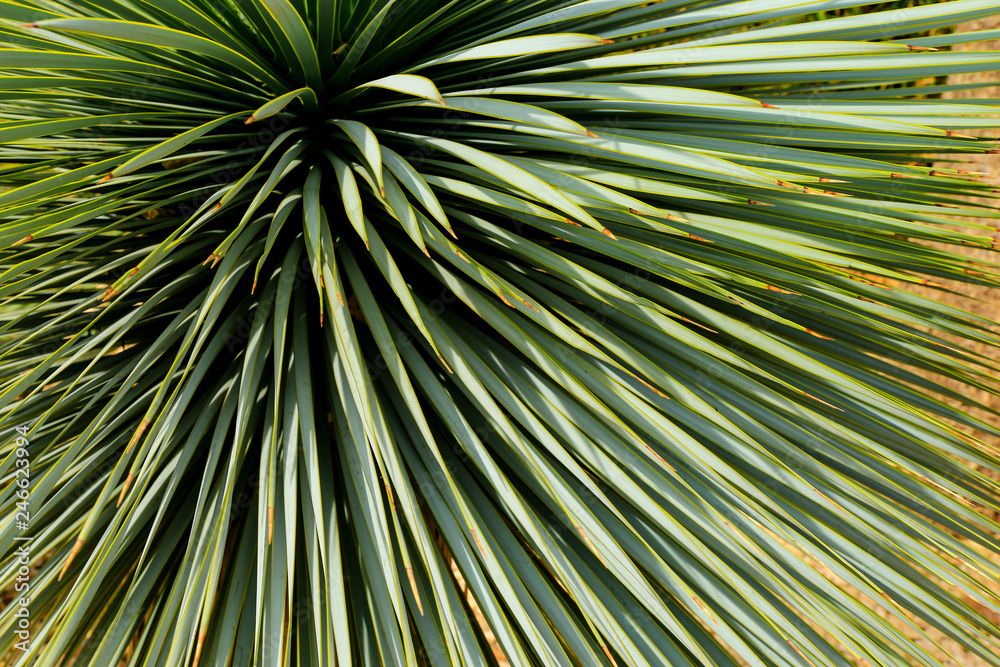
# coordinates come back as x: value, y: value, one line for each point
x: 279, y: 103
x: 519, y: 46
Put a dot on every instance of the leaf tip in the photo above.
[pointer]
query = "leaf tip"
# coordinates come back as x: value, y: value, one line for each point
x: 201, y: 644
x: 128, y: 483
x: 77, y: 546
x: 818, y: 335
x: 413, y: 587
x: 446, y: 366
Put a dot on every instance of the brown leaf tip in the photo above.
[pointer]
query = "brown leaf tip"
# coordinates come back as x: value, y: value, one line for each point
x: 446, y: 366
x: 818, y: 335
x: 413, y: 587
x: 72, y: 554
x: 128, y: 482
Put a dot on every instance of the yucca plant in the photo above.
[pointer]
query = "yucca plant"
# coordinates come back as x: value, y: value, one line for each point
x: 418, y: 332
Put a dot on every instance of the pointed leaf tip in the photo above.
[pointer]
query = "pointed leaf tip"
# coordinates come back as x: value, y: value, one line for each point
x: 201, y: 644
x: 446, y: 366
x: 416, y: 593
x: 72, y: 554
x: 128, y: 483
x: 818, y: 335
